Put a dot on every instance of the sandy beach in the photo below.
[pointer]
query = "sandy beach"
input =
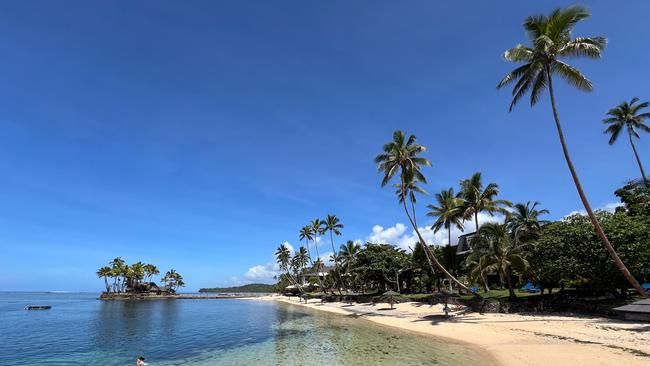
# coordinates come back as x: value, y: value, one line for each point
x: 512, y: 339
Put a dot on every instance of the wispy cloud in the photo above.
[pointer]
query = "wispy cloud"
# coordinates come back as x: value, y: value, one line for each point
x: 609, y: 207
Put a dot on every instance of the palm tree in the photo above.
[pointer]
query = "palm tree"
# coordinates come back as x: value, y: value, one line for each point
x: 477, y: 265
x: 408, y: 190
x: 283, y: 256
x: 333, y: 225
x: 449, y: 212
x: 477, y: 199
x: 625, y: 115
x: 523, y: 222
x: 316, y: 229
x: 400, y: 156
x: 307, y: 235
x: 497, y: 251
x: 138, y: 274
x: 301, y: 259
x: 550, y: 38
x: 348, y: 253
x: 117, y: 266
x: 150, y: 270
x: 104, y: 273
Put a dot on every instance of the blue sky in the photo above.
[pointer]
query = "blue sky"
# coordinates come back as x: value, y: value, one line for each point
x: 201, y: 135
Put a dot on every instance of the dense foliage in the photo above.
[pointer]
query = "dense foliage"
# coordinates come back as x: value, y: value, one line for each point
x: 570, y: 251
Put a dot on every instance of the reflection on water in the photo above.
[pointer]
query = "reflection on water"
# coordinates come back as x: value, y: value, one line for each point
x: 82, y: 330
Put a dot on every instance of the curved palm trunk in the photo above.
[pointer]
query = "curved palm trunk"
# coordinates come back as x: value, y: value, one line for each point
x: 336, y: 264
x: 599, y: 230
x: 636, y: 154
x: 511, y: 288
x: 430, y: 257
x: 476, y: 220
x: 108, y: 288
x: 320, y: 282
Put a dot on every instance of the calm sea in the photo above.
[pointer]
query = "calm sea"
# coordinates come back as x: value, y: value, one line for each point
x: 81, y: 330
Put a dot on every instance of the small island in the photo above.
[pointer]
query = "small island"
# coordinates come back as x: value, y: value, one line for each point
x: 126, y: 282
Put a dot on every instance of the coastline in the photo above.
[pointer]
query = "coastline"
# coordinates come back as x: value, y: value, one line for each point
x: 511, y: 339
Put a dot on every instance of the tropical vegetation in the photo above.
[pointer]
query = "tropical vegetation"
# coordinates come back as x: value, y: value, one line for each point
x: 120, y: 277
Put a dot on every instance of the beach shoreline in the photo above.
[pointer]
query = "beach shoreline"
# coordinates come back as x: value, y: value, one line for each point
x: 510, y: 339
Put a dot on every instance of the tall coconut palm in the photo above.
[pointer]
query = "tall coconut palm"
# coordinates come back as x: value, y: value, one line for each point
x: 283, y: 257
x: 626, y: 116
x: 523, y: 221
x: 400, y: 156
x: 307, y: 235
x: 408, y: 191
x: 477, y: 199
x: 448, y: 211
x: 301, y: 259
x: 550, y: 38
x: 104, y: 273
x: 497, y: 251
x: 333, y: 225
x: 316, y: 226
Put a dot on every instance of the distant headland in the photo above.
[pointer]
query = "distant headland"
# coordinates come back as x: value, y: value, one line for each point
x: 250, y: 288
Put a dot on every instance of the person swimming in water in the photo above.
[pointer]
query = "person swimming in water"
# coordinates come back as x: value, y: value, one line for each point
x: 140, y: 361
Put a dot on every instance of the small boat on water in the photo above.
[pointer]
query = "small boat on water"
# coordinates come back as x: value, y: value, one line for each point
x: 38, y: 307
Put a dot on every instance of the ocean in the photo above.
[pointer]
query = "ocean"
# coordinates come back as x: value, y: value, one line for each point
x: 81, y: 330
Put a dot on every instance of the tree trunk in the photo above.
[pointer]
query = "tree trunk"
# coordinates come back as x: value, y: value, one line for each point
x: 476, y: 220
x: 427, y: 252
x: 511, y: 288
x: 320, y: 282
x: 636, y: 154
x: 336, y: 265
x: 583, y: 197
x: 485, y: 282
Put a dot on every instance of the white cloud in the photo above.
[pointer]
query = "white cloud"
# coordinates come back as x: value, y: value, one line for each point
x: 403, y: 237
x: 609, y: 207
x: 262, y: 273
x: 289, y: 246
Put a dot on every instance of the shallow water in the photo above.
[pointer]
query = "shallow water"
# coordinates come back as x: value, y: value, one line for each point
x: 80, y: 330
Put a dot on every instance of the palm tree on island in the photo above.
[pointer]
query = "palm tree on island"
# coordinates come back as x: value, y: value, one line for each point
x: 550, y: 38
x: 448, y: 211
x: 104, y: 273
x: 626, y: 116
x: 477, y: 199
x: 400, y: 156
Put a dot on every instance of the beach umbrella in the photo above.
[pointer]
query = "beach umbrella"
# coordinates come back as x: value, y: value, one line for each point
x: 391, y: 297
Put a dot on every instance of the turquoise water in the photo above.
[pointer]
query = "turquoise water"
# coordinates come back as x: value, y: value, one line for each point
x: 80, y: 330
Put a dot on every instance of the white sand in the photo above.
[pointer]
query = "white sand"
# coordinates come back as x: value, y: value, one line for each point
x: 514, y: 339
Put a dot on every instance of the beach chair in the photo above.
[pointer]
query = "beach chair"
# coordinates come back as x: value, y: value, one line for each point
x: 646, y: 287
x: 528, y: 287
